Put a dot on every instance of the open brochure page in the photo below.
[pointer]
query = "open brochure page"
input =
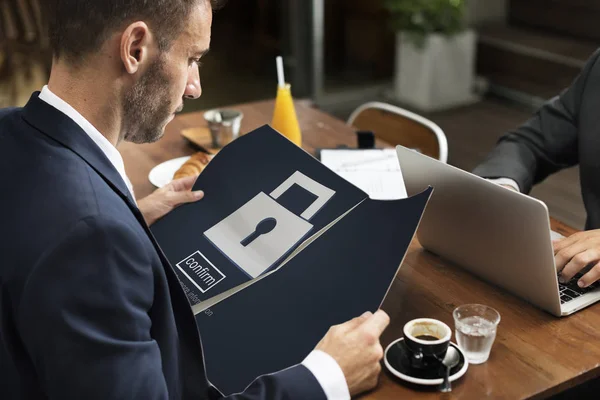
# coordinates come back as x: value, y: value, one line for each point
x: 264, y: 197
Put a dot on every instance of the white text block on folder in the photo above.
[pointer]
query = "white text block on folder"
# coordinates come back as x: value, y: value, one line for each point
x: 376, y: 172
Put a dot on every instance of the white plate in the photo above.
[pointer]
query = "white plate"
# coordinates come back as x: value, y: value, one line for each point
x: 163, y: 173
x: 423, y: 381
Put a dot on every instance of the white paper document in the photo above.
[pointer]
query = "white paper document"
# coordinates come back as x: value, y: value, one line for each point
x: 376, y: 172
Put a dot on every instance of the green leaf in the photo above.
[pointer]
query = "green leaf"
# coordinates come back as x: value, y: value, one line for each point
x: 423, y: 17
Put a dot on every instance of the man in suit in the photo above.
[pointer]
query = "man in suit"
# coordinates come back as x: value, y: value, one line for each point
x: 563, y: 132
x: 89, y: 306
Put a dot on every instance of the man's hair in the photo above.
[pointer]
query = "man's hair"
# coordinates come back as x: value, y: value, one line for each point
x: 80, y: 27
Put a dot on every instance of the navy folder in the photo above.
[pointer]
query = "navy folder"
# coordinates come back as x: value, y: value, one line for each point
x: 280, y: 249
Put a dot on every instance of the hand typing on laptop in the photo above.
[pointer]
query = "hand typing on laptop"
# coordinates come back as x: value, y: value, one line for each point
x: 572, y: 254
x: 497, y: 240
x: 576, y: 252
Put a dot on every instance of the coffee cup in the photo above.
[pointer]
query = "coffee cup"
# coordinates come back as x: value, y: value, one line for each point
x: 427, y: 341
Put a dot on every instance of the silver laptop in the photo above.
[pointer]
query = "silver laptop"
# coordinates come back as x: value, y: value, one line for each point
x: 497, y: 234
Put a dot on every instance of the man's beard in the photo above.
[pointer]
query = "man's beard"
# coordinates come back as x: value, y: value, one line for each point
x: 147, y: 106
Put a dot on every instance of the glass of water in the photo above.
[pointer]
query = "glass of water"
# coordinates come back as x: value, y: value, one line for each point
x: 475, y: 329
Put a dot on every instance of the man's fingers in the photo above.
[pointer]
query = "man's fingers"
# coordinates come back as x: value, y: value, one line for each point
x: 559, y: 244
x: 562, y: 243
x: 564, y: 256
x: 186, y: 197
x: 578, y: 262
x: 592, y: 276
x: 376, y: 323
x: 355, y: 322
x: 183, y: 184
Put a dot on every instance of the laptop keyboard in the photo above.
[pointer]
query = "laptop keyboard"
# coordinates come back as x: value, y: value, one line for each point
x: 571, y: 291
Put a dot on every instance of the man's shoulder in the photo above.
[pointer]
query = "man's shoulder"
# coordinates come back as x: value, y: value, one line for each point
x: 58, y: 221
x: 52, y: 189
x: 9, y: 111
x: 48, y: 176
x: 8, y: 116
x: 64, y: 197
x: 591, y: 68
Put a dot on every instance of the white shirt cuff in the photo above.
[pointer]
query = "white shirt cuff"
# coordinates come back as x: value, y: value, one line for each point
x: 329, y: 375
x: 506, y: 181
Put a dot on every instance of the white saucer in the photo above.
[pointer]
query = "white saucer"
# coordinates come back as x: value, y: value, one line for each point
x: 163, y: 173
x: 403, y: 371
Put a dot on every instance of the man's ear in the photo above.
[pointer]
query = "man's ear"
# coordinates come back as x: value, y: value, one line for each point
x: 135, y: 46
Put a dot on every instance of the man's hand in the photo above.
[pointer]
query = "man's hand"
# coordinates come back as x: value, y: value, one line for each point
x: 165, y: 199
x: 356, y: 348
x: 574, y: 253
x: 510, y: 187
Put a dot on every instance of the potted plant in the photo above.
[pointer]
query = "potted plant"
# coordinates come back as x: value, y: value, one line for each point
x: 435, y: 53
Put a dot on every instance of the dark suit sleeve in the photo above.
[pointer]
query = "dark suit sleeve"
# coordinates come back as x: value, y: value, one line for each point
x: 84, y: 322
x: 84, y: 316
x: 543, y: 145
x: 292, y: 383
x: 6, y: 111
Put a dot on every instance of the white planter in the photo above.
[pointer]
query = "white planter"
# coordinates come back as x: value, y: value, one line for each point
x: 438, y: 76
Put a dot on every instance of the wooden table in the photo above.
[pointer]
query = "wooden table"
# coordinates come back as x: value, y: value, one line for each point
x: 535, y: 355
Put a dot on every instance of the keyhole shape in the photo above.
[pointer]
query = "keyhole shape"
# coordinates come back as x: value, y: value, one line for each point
x: 263, y: 227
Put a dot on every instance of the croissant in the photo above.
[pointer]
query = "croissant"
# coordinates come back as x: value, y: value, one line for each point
x: 194, y: 166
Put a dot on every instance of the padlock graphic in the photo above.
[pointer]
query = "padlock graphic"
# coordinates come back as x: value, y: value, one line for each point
x: 262, y: 231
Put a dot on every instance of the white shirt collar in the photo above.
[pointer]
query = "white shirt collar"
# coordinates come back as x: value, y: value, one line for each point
x: 107, y: 148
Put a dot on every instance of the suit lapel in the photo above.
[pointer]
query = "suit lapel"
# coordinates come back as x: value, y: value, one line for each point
x: 59, y: 127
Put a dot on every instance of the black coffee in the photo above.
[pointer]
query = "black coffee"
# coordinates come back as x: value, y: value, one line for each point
x: 427, y: 337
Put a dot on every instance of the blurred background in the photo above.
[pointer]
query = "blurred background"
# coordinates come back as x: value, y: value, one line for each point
x: 477, y: 68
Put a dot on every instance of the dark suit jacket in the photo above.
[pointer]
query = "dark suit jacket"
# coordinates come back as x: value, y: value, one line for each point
x: 562, y: 133
x: 89, y: 306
